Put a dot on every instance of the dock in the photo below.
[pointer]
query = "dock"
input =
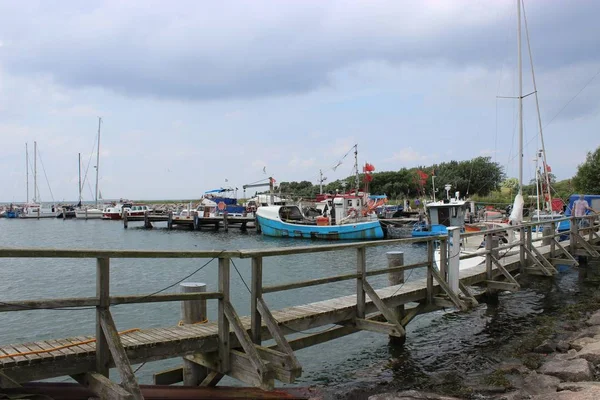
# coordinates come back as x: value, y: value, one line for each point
x: 194, y: 222
x: 233, y: 345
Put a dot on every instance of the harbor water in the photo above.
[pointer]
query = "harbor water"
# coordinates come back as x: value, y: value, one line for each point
x: 439, y: 342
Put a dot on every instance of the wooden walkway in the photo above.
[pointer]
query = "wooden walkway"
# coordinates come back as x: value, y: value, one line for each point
x: 194, y: 222
x: 211, y: 345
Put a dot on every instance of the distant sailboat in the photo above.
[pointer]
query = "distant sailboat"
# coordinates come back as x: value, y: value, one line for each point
x: 91, y: 213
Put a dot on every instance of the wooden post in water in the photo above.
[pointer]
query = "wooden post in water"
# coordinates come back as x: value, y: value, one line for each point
x: 529, y: 243
x: 225, y: 221
x: 488, y: 257
x: 38, y: 211
x: 124, y: 213
x: 444, y: 258
x: 195, y: 220
x: 256, y: 287
x: 429, y: 273
x: 103, y: 294
x: 170, y: 221
x: 86, y: 216
x: 193, y: 311
x: 64, y: 213
x: 396, y: 259
x: 147, y: 223
x: 547, y: 234
x: 453, y: 266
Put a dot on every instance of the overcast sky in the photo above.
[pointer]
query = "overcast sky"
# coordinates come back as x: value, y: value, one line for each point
x: 196, y: 95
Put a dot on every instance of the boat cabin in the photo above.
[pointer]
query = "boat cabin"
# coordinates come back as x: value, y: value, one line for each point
x: 447, y: 212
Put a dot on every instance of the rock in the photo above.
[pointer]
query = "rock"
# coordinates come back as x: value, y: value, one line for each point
x: 534, y: 384
x: 562, y: 346
x: 585, y: 394
x: 589, y: 332
x: 546, y: 347
x: 513, y: 368
x: 590, y: 352
x: 578, y: 344
x: 575, y: 370
x: 576, y: 386
x: 411, y: 395
x: 594, y: 319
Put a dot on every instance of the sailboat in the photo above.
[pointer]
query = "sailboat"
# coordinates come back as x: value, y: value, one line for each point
x: 516, y: 215
x: 36, y: 209
x: 95, y: 212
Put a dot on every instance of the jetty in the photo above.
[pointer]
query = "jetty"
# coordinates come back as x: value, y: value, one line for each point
x: 194, y: 221
x: 234, y: 345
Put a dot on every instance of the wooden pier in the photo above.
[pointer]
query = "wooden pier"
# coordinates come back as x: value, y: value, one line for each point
x: 233, y: 345
x: 194, y: 222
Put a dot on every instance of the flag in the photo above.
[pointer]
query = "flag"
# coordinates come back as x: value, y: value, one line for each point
x: 548, y: 169
x: 423, y: 177
x: 368, y: 167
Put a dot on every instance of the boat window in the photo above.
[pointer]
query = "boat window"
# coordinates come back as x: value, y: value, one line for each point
x: 454, y: 211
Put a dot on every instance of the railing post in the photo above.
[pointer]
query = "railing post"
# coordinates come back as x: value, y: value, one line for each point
x: 429, y: 273
x: 522, y: 245
x: 488, y: 257
x: 572, y: 237
x: 553, y: 240
x: 591, y: 228
x: 223, y: 323
x: 256, y: 287
x: 454, y: 259
x: 444, y: 257
x: 396, y: 259
x: 192, y: 312
x: 103, y: 294
x: 361, y: 268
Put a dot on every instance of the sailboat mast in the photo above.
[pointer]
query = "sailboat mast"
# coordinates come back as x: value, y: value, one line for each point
x: 35, y: 172
x: 27, y: 171
x: 79, y: 187
x: 357, y: 183
x: 520, y: 68
x: 98, y: 159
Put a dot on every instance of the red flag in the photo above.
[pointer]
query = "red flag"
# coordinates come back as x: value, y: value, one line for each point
x: 368, y: 167
x: 422, y: 175
x: 548, y: 169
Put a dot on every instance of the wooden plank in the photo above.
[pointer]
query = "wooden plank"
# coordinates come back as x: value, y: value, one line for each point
x: 308, y: 283
x: 119, y: 356
x: 503, y: 271
x: 257, y: 291
x: 102, y: 386
x: 563, y: 261
x: 224, y: 344
x: 512, y: 287
x: 361, y: 261
x: 212, y: 378
x: 103, y: 294
x: 389, y: 314
x: 6, y: 361
x: 378, y: 327
x: 443, y: 302
x: 96, y: 253
x: 19, y: 360
x: 588, y: 247
x: 468, y: 295
x: 453, y: 296
x: 544, y: 261
x: 541, y: 266
x: 159, y: 298
x: 277, y: 335
x: 245, y: 341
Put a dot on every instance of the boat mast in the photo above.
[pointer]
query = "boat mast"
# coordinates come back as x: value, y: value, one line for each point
x: 537, y: 105
x: 79, y: 187
x: 98, y: 159
x: 35, y: 172
x: 356, y: 167
x: 27, y: 171
x: 520, y: 68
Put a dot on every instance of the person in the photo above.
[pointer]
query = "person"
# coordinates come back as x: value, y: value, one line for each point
x: 580, y: 207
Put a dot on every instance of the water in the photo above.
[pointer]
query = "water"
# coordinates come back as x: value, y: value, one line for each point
x: 441, y: 341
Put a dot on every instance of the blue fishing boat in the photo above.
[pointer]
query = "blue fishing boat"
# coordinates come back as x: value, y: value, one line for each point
x: 441, y: 214
x: 288, y: 221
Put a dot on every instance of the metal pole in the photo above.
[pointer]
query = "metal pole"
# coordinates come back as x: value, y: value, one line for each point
x: 520, y: 68
x: 79, y: 165
x: 27, y: 171
x: 98, y: 159
x: 35, y: 172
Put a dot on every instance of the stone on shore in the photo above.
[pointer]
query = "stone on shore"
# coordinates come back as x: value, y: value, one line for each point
x: 594, y: 320
x: 575, y: 370
x: 411, y: 395
x: 590, y: 352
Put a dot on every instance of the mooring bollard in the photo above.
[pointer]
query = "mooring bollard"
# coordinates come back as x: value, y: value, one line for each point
x: 124, y: 219
x: 396, y: 259
x: 192, y: 312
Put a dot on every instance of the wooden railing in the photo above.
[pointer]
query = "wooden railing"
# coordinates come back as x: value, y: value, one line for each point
x: 444, y: 276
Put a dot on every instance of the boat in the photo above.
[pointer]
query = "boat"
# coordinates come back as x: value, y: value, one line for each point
x: 115, y: 211
x: 137, y: 210
x: 349, y: 216
x: 36, y: 209
x: 85, y: 212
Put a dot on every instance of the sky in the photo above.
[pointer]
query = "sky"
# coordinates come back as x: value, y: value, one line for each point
x: 197, y: 95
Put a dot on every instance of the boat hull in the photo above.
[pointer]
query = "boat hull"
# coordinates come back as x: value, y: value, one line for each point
x: 91, y: 214
x: 370, y: 230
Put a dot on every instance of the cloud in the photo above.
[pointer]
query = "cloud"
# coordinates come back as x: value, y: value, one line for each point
x: 203, y: 50
x: 407, y: 156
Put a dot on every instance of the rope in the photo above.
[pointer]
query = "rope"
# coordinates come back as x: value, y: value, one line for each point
x: 181, y: 323
x: 28, y: 353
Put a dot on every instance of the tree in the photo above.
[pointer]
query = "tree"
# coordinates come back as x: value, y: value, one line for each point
x: 511, y: 184
x: 587, y: 179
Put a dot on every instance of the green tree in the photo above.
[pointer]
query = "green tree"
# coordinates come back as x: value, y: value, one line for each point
x: 587, y: 179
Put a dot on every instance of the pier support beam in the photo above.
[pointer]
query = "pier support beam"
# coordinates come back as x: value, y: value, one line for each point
x: 396, y: 259
x: 193, y: 312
